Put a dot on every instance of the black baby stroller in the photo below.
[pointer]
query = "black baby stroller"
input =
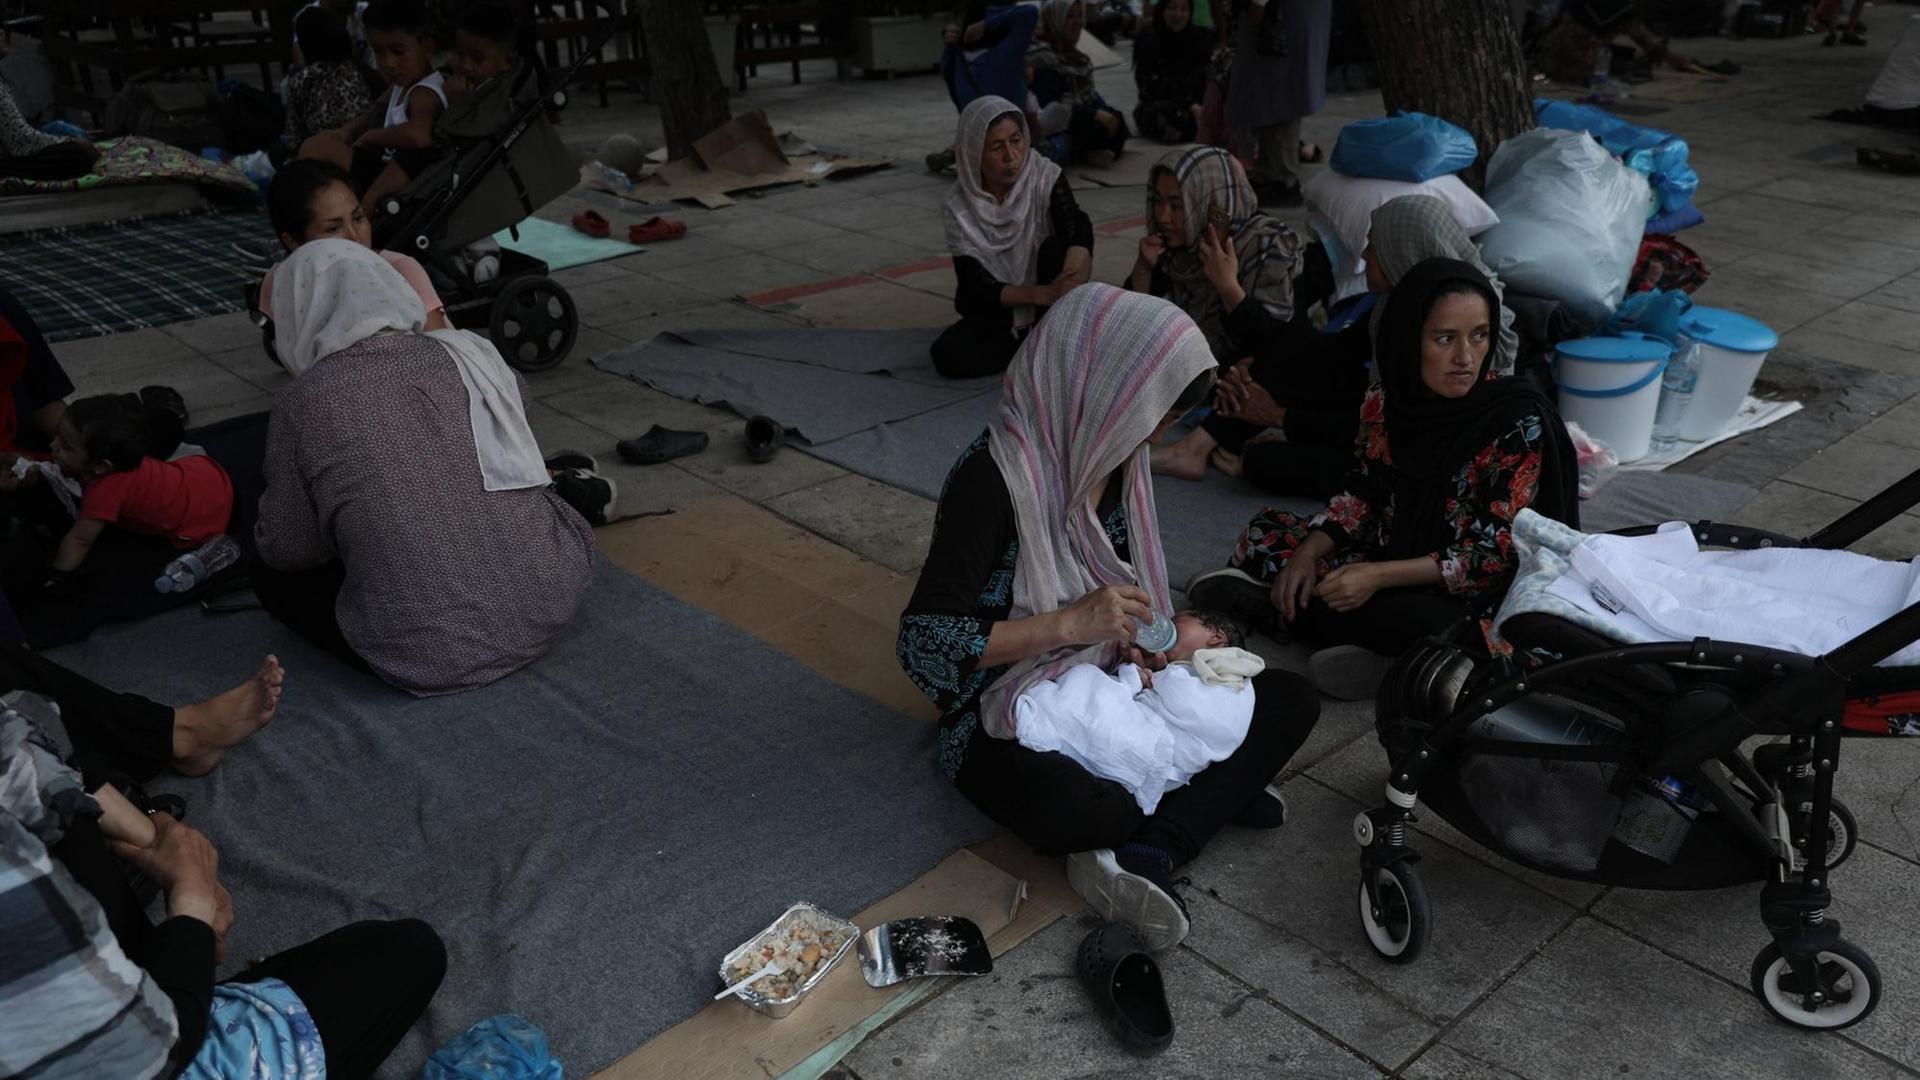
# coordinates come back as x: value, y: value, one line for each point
x: 503, y: 161
x: 1618, y: 764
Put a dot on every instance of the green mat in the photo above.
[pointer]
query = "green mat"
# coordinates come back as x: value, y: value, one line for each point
x: 561, y: 246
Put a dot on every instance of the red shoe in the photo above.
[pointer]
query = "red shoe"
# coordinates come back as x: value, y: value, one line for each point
x: 592, y: 224
x: 655, y: 229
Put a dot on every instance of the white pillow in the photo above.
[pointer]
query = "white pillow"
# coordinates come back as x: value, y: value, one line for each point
x: 1340, y: 212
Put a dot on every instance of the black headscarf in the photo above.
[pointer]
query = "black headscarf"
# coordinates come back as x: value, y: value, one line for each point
x: 1431, y: 437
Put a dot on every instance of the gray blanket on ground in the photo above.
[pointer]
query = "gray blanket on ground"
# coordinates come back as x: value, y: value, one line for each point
x: 818, y: 384
x: 1200, y: 521
x: 589, y: 835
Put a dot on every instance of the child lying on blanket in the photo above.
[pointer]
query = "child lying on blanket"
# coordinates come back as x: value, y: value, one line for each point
x: 312, y: 200
x: 102, y: 442
x: 1150, y: 732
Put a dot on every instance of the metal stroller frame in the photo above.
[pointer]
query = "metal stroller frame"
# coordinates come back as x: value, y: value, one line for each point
x: 1723, y: 693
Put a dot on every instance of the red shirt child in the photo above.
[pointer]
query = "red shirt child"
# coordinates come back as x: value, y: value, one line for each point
x: 188, y: 502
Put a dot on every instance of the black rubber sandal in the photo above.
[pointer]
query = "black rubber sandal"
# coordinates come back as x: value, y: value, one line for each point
x: 660, y: 445
x: 764, y: 439
x: 1125, y: 983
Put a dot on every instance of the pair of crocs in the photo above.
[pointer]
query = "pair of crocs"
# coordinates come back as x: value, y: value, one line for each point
x: 650, y: 231
x: 660, y: 445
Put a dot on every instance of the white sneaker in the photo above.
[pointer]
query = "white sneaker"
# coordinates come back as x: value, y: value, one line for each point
x: 1119, y: 896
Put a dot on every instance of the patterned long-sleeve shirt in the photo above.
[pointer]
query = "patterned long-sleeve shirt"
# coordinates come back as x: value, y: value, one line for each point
x: 965, y: 588
x: 371, y: 460
x: 1487, y: 492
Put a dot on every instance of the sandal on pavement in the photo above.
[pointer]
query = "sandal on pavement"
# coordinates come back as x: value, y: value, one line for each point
x: 655, y: 229
x: 1347, y: 672
x: 764, y: 438
x: 592, y: 224
x: 661, y: 445
x: 1126, y: 987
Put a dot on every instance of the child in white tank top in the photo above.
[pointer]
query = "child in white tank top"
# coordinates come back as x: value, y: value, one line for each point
x: 394, y: 141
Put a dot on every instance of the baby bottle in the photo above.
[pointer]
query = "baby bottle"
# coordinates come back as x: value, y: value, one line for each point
x: 1156, y: 636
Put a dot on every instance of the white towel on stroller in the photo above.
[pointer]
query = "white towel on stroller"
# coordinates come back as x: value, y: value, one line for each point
x: 1662, y: 587
x: 1147, y: 740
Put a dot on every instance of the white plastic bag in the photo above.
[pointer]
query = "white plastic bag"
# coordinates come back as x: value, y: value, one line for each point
x: 1571, y: 218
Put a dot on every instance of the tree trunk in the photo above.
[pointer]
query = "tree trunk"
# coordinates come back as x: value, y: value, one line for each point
x: 686, y: 81
x: 1459, y: 60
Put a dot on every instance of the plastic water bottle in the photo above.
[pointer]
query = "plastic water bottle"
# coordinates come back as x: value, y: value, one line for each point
x: 613, y: 178
x: 1676, y: 393
x: 1156, y: 636
x: 190, y: 571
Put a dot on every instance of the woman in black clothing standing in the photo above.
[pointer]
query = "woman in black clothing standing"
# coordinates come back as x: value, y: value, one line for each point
x: 1018, y: 239
x: 1046, y: 554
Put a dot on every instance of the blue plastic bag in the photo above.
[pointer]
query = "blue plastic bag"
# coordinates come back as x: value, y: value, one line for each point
x: 1408, y: 146
x: 1660, y: 156
x: 505, y: 1046
x: 65, y: 129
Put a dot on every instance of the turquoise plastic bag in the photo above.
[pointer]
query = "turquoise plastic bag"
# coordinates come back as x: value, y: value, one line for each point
x: 1408, y: 146
x: 505, y: 1046
x: 1656, y: 313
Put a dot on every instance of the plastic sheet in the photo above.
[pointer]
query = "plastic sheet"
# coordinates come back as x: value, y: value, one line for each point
x: 1571, y: 218
x: 505, y: 1046
x: 1410, y: 146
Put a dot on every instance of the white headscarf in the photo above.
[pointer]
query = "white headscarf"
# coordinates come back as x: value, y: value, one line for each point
x: 1082, y: 396
x: 1004, y: 237
x: 333, y: 294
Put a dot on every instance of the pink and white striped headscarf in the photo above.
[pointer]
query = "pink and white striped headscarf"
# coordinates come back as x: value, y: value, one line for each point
x: 1081, y: 398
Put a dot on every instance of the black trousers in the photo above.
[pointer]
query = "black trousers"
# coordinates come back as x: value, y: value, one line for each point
x: 1169, y: 122
x: 1086, y: 134
x: 1323, y: 417
x: 304, y: 601
x: 114, y: 583
x: 1058, y: 807
x: 364, y: 984
x: 61, y: 161
x: 114, y: 735
x: 984, y: 344
x: 1389, y: 623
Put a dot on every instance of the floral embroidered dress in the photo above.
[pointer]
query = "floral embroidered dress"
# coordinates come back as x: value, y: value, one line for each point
x: 1487, y: 492
x: 965, y: 588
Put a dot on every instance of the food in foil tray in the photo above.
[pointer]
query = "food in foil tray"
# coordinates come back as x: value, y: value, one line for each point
x: 800, y: 943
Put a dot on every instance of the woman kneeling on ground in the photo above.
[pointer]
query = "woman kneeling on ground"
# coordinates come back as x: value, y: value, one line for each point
x: 1019, y: 241
x: 1448, y: 455
x: 409, y: 525
x: 1046, y: 554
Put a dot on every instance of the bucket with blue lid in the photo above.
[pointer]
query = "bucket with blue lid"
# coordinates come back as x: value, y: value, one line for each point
x: 1610, y: 386
x: 1729, y: 349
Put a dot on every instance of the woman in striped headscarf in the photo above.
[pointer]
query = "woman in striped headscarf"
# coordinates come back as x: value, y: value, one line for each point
x: 1046, y: 554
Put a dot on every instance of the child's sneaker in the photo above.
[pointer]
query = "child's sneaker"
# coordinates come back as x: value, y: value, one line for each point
x: 562, y: 460
x: 587, y: 492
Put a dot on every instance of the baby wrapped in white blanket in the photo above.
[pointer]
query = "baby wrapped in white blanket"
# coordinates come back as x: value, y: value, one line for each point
x: 1149, y: 733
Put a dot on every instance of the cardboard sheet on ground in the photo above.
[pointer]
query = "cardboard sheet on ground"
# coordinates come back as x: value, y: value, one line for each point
x: 741, y: 154
x: 728, y: 1040
x: 1754, y: 414
x: 589, y: 835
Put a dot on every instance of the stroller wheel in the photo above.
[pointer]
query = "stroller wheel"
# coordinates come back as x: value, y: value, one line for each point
x: 1397, y: 928
x: 534, y: 323
x: 1849, y: 992
x: 1842, y: 832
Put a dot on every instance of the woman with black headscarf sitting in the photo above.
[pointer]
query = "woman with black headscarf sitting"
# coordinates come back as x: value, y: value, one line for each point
x: 1447, y: 457
x: 1170, y: 72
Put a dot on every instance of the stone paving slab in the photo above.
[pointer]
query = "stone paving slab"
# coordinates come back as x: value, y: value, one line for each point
x: 1031, y: 1018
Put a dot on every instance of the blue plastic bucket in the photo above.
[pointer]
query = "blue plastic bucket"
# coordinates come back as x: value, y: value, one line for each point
x: 1610, y: 386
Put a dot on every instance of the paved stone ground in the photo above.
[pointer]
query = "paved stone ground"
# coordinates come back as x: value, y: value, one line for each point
x: 1525, y: 976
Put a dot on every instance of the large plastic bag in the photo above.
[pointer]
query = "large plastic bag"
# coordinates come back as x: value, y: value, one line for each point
x: 1897, y: 86
x: 1340, y: 213
x: 505, y: 1046
x: 1660, y: 156
x: 1410, y: 146
x: 1570, y: 220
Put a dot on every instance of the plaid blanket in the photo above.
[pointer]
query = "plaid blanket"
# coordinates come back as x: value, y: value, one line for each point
x: 90, y: 280
x: 137, y: 160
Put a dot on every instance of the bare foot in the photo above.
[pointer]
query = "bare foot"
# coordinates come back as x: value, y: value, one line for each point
x: 1185, y: 459
x: 203, y: 733
x: 1226, y: 463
